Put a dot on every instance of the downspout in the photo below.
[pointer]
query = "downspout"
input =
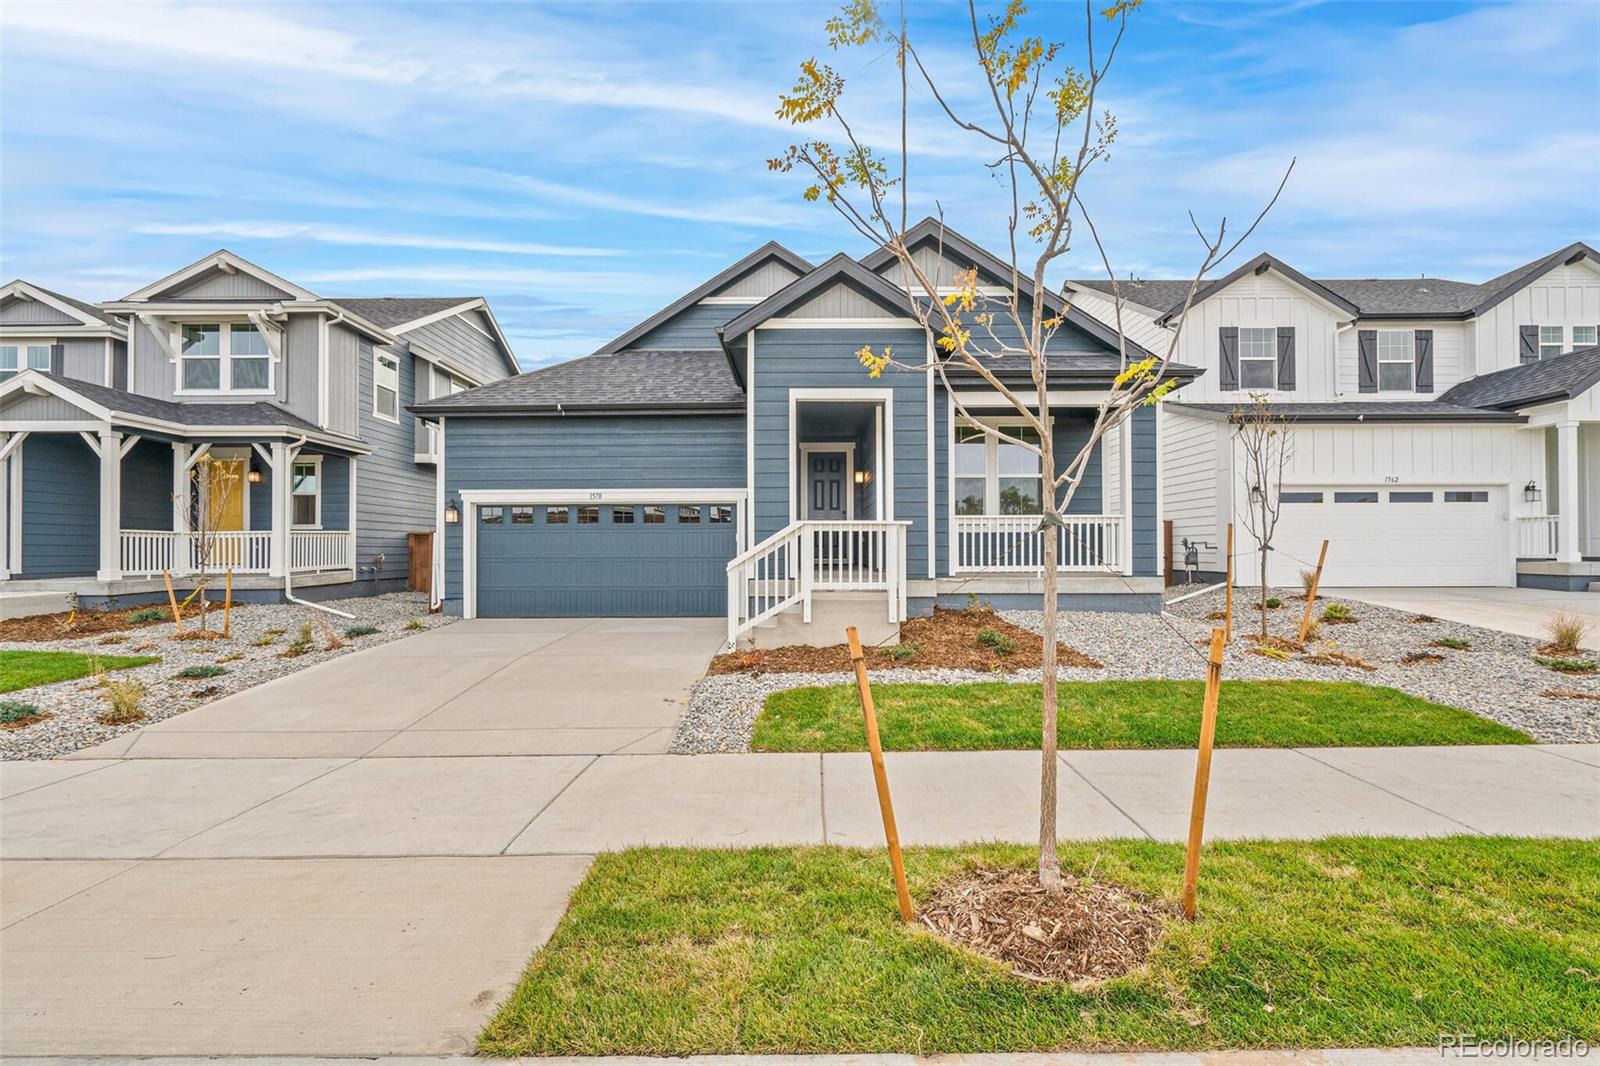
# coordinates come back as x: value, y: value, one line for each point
x: 288, y: 570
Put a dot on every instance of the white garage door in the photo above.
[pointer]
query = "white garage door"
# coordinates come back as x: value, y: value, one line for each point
x: 1391, y: 535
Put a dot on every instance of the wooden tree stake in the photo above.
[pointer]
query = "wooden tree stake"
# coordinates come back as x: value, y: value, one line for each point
x: 1202, y: 774
x: 1311, y: 593
x: 227, y: 603
x: 172, y: 598
x: 1227, y: 607
x: 880, y: 776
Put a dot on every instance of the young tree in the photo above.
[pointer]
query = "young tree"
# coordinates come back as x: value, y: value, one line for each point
x: 1038, y: 126
x: 1263, y: 440
x: 214, y: 490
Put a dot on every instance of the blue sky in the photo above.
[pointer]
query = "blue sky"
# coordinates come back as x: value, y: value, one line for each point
x: 581, y: 165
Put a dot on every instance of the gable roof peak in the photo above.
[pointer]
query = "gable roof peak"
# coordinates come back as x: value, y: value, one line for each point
x: 226, y: 261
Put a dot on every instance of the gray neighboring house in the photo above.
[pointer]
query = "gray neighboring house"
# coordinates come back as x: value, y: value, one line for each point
x: 298, y: 402
x: 729, y: 456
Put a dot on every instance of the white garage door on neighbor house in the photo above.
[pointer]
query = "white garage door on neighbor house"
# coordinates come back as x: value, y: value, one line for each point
x: 1393, y: 535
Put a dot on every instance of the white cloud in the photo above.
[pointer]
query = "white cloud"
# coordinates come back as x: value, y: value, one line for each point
x: 482, y: 279
x: 337, y: 235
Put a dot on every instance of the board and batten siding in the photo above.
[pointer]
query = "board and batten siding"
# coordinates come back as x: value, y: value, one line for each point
x: 464, y: 339
x: 394, y: 496
x: 759, y: 283
x: 84, y: 359
x: 1196, y: 450
x: 825, y: 358
x: 216, y: 285
x: 585, y: 454
x: 1452, y: 360
x: 1138, y: 322
x: 60, y: 507
x: 344, y: 350
x: 1569, y: 295
x: 295, y: 376
x: 20, y: 312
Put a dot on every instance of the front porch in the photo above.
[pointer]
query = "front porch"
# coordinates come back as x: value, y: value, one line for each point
x: 1560, y: 548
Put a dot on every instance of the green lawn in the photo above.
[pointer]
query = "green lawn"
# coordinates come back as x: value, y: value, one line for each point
x: 1118, y: 714
x: 1348, y: 942
x: 25, y: 669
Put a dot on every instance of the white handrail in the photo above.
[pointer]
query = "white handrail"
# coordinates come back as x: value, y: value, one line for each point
x: 1538, y: 536
x: 147, y: 552
x: 1012, y: 543
x: 809, y: 556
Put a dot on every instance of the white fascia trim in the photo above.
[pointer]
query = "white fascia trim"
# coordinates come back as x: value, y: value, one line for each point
x: 840, y: 323
x: 228, y: 263
x: 581, y: 495
x: 1058, y: 398
x: 29, y: 292
x: 42, y: 332
x: 36, y: 383
x: 730, y: 301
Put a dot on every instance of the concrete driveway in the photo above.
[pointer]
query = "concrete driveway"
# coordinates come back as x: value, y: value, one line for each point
x: 1520, y: 611
x: 504, y: 686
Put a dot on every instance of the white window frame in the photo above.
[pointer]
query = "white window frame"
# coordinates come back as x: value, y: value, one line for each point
x: 1410, y: 360
x: 306, y: 460
x: 378, y: 357
x: 24, y: 357
x: 1556, y: 347
x: 991, y: 464
x: 224, y: 357
x: 1586, y: 344
x: 1271, y: 358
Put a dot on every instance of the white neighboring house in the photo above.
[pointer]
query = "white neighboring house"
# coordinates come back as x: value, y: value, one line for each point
x: 1444, y: 433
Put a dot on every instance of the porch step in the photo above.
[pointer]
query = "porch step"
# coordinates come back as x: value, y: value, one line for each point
x: 831, y: 612
x: 22, y: 604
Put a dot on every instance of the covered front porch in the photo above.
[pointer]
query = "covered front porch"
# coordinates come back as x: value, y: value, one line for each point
x: 93, y: 494
x: 1559, y: 547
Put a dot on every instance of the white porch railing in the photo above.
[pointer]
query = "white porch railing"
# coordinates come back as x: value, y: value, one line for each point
x: 1538, y: 536
x: 1012, y: 543
x: 806, y: 557
x: 147, y: 552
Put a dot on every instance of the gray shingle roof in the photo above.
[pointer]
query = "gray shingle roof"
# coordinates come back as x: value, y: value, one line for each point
x: 259, y: 413
x: 1546, y: 381
x: 89, y: 309
x: 1075, y: 365
x: 639, y: 380
x: 391, y: 311
x: 1373, y: 297
x: 1364, y: 411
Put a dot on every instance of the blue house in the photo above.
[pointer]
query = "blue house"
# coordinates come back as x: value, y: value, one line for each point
x: 288, y: 409
x: 729, y: 456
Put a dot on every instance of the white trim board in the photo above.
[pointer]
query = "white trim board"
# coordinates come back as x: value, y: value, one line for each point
x: 883, y: 453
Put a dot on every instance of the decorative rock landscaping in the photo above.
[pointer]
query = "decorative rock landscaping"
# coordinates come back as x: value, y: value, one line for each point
x: 1495, y: 675
x: 193, y: 672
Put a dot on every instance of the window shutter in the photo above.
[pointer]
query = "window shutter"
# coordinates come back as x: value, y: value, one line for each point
x: 1367, y: 359
x: 58, y: 359
x: 1423, y: 341
x: 1286, y: 358
x: 1529, y: 343
x: 1228, y: 338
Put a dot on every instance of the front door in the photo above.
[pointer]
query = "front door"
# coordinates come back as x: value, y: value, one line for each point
x: 224, y: 489
x: 827, y: 486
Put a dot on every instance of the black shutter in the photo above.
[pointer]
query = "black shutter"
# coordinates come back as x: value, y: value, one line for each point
x: 1529, y: 343
x: 1228, y: 340
x: 1367, y: 359
x: 1423, y: 343
x: 58, y: 359
x: 1286, y: 358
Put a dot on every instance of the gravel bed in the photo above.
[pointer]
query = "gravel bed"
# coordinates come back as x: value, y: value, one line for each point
x: 1496, y: 677
x: 75, y: 704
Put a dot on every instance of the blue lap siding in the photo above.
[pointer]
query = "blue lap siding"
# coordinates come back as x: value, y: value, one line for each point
x: 60, y: 507
x: 584, y: 455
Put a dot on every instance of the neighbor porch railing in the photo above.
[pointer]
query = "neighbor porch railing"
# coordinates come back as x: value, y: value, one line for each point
x: 147, y: 552
x: 1538, y: 536
x: 1013, y: 543
x: 803, y: 558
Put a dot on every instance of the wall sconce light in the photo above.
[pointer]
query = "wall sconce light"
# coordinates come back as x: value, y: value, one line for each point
x: 1255, y: 493
x: 1531, y: 493
x: 254, y: 476
x: 863, y: 477
x: 452, y: 512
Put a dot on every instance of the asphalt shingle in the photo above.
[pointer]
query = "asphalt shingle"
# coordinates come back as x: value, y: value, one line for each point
x: 1548, y: 380
x: 693, y: 379
x: 387, y: 312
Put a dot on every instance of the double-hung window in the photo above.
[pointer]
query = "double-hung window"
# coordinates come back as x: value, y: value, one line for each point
x: 1549, y: 342
x: 18, y: 357
x: 1397, y: 358
x: 1258, y: 357
x: 1585, y: 337
x: 223, y: 357
x: 386, y: 386
x: 305, y: 489
x: 995, y: 476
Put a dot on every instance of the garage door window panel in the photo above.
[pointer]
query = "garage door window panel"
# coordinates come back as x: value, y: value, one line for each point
x: 1299, y: 497
x: 1467, y: 496
x: 688, y: 516
x: 522, y: 516
x: 622, y: 516
x: 1410, y: 497
x: 1397, y: 356
x: 588, y: 516
x: 492, y: 516
x: 555, y: 516
x: 721, y: 515
x: 1355, y: 497
x: 655, y: 515
x: 1258, y: 357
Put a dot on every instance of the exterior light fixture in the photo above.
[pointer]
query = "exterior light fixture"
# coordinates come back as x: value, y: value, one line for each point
x: 452, y: 512
x: 1531, y: 493
x: 861, y: 477
x: 1255, y: 493
x: 254, y: 476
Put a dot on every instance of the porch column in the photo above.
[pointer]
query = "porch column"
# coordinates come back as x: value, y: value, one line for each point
x: 5, y: 511
x: 1568, y: 547
x: 182, y: 557
x: 110, y: 506
x: 278, y: 564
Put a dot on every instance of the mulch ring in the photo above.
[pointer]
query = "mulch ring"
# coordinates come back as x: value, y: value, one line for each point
x: 68, y: 625
x: 1088, y: 932
x: 948, y: 639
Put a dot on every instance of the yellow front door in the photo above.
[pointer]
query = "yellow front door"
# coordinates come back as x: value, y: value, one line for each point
x: 225, y: 488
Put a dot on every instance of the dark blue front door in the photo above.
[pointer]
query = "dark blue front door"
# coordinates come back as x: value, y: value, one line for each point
x: 827, y: 482
x: 581, y: 560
